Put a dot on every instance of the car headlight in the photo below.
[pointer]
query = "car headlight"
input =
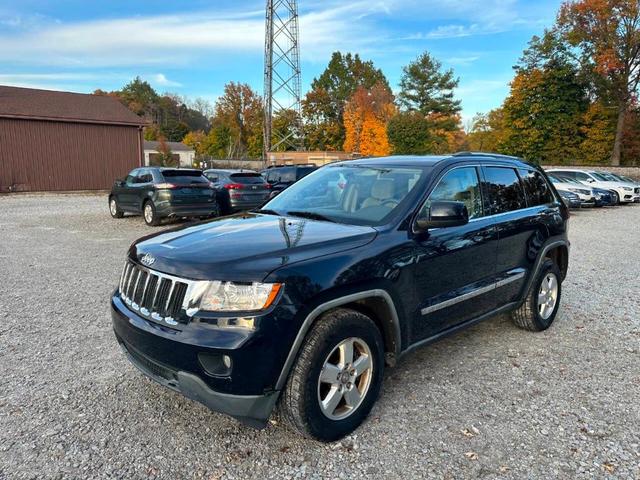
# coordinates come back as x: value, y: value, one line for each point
x: 235, y: 297
x: 628, y: 189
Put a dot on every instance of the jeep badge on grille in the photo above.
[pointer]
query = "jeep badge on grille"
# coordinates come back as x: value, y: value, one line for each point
x: 148, y: 259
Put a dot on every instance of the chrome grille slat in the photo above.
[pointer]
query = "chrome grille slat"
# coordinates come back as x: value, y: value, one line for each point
x: 152, y: 294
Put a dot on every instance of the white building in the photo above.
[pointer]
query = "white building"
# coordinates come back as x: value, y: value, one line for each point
x: 183, y: 154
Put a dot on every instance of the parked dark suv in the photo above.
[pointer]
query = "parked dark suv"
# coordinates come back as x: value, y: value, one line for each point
x: 303, y: 303
x: 282, y: 177
x: 158, y: 193
x: 239, y: 189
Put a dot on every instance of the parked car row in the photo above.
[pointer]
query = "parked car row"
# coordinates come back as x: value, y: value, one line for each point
x: 157, y: 193
x: 580, y: 188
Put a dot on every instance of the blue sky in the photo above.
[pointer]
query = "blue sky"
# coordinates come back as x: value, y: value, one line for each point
x: 193, y: 48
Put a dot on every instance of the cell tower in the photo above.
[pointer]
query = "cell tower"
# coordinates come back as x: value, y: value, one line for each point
x: 282, y: 77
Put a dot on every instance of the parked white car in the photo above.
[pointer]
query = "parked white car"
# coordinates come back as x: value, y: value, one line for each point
x: 625, y: 192
x: 623, y: 178
x: 585, y: 193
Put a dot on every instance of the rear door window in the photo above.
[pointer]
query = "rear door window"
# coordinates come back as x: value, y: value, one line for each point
x: 504, y: 190
x: 536, y: 188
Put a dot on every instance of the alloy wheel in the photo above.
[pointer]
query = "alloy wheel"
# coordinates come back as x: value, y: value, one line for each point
x: 148, y: 213
x: 345, y: 378
x: 548, y: 295
x: 113, y: 207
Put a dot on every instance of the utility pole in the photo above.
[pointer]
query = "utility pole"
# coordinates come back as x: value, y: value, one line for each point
x: 282, y: 78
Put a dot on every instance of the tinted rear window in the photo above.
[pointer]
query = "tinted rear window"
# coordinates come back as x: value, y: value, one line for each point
x: 184, y: 176
x: 536, y: 188
x: 505, y: 191
x: 247, y: 178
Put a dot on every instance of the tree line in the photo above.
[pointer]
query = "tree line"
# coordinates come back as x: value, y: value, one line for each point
x: 573, y: 100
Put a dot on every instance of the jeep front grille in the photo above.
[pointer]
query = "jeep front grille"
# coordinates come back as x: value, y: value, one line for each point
x: 154, y: 295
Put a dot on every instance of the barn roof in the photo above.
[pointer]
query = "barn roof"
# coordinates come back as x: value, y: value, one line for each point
x: 28, y: 103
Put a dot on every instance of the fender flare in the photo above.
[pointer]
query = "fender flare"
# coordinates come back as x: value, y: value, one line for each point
x: 329, y: 305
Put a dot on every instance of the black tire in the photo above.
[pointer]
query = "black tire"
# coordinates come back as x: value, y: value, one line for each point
x: 299, y: 406
x: 529, y: 315
x: 616, y: 198
x: 152, y: 218
x: 114, y: 208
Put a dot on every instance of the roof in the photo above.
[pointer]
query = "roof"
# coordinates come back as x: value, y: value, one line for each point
x: 173, y: 146
x: 432, y: 160
x: 32, y: 104
x: 230, y: 170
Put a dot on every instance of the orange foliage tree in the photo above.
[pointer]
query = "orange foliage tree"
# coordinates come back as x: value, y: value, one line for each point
x: 608, y: 33
x: 365, y: 120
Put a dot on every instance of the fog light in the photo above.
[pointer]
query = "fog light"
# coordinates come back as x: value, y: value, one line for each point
x: 226, y: 360
x: 216, y: 365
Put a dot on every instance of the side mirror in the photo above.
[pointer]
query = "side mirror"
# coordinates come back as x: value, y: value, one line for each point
x: 444, y: 215
x: 119, y: 183
x: 591, y: 180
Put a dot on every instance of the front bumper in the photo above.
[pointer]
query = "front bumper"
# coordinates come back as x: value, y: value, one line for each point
x: 174, y: 358
x: 252, y: 410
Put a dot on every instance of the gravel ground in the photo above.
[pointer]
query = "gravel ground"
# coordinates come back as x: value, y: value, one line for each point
x: 492, y: 402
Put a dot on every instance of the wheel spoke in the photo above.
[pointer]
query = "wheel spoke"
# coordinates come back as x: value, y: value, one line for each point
x: 346, y: 352
x: 332, y: 400
x: 362, y: 364
x: 329, y: 373
x: 352, y: 396
x: 553, y: 284
x: 542, y: 297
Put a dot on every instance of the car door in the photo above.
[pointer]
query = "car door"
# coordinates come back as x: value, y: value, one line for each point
x: 521, y: 224
x: 454, y: 270
x: 126, y: 196
x: 143, y: 185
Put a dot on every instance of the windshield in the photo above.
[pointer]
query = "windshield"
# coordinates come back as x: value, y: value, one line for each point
x: 601, y: 177
x: 352, y: 194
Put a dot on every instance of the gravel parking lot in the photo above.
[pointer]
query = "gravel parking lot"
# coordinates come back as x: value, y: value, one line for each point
x: 492, y: 402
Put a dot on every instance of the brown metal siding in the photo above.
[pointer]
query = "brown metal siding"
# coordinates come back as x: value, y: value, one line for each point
x: 60, y: 156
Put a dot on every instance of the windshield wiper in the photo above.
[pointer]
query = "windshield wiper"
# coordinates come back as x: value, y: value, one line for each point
x: 266, y: 211
x: 311, y: 216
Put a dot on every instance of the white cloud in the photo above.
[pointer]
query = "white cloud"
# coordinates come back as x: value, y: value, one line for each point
x: 162, y: 80
x: 175, y: 39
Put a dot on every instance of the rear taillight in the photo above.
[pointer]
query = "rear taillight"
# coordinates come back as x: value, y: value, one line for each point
x: 234, y: 186
x: 268, y: 186
x: 168, y: 186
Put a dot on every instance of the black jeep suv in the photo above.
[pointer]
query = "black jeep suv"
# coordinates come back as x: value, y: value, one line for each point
x: 303, y: 303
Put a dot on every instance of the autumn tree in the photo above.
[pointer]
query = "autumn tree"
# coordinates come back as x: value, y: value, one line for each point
x: 286, y: 124
x: 543, y: 111
x: 365, y: 119
x: 608, y: 34
x: 239, y: 117
x: 324, y: 105
x: 197, y: 141
x: 598, y: 132
x: 164, y: 155
x: 487, y: 132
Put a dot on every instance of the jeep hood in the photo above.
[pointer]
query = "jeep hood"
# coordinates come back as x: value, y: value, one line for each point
x: 246, y: 247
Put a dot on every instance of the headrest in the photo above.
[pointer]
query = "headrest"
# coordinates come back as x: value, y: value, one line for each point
x: 383, y: 189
